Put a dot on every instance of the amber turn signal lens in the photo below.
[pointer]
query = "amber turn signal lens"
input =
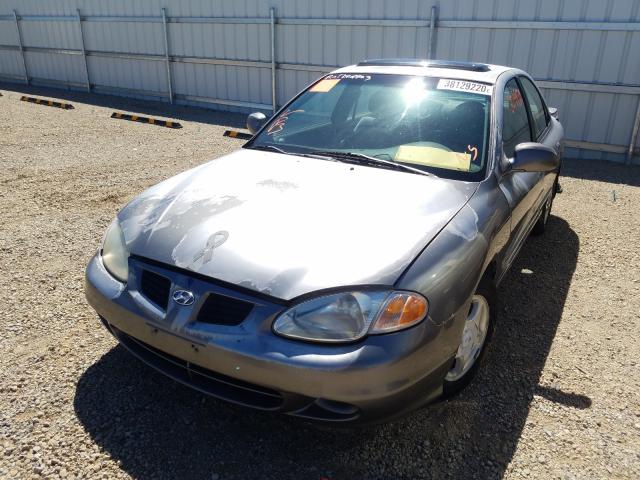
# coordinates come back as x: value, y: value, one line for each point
x: 402, y: 310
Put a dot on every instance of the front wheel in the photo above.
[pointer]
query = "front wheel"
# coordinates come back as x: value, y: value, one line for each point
x: 541, y: 225
x: 476, y: 334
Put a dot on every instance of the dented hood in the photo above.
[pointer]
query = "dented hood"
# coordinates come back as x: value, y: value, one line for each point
x: 285, y: 225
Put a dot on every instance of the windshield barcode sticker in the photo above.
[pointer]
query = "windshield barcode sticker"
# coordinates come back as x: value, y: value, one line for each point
x: 464, y: 86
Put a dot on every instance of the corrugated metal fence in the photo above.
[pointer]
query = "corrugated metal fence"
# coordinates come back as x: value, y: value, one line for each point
x: 252, y: 54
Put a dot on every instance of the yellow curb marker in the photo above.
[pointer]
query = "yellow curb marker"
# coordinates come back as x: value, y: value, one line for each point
x: 151, y: 121
x: 236, y: 134
x: 49, y: 103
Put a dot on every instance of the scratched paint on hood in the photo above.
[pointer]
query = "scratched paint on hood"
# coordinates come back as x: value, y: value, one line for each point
x: 291, y: 225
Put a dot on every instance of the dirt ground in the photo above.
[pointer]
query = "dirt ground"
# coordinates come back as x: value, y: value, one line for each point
x: 558, y: 396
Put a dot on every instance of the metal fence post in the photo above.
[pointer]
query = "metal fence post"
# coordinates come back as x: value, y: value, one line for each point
x: 272, y: 33
x: 432, y: 33
x: 84, y: 53
x: 634, y: 134
x: 166, y: 54
x: 21, y: 48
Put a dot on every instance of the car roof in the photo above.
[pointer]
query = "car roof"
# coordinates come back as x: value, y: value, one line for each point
x: 481, y: 72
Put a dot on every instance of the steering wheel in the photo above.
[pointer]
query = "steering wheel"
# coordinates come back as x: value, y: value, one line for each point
x: 344, y: 132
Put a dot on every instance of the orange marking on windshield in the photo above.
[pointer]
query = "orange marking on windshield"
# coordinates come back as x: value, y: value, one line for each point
x: 474, y: 151
x: 278, y: 125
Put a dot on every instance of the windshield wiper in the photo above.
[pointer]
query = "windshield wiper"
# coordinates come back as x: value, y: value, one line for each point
x: 363, y: 159
x: 273, y: 148
x: 270, y: 148
x: 353, y: 157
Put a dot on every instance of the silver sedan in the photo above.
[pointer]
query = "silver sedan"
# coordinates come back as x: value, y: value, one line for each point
x: 343, y: 266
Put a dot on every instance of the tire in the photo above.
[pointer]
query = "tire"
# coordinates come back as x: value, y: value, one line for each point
x: 557, y: 188
x: 460, y: 375
x: 541, y: 225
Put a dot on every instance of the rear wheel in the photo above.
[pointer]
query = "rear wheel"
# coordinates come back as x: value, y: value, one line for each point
x: 476, y: 334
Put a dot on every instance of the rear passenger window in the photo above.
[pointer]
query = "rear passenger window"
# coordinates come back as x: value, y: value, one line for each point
x: 515, y: 122
x: 536, y: 106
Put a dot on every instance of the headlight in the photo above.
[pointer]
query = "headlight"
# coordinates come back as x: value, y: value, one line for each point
x: 115, y: 256
x: 348, y: 316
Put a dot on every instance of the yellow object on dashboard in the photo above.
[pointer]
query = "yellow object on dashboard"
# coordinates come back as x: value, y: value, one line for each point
x: 433, y: 157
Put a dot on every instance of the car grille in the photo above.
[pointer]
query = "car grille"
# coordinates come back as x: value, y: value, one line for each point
x: 206, y: 381
x: 156, y: 288
x: 223, y: 310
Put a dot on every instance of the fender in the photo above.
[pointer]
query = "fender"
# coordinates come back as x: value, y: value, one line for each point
x: 448, y: 271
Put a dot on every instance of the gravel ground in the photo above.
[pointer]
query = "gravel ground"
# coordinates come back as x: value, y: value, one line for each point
x: 559, y: 395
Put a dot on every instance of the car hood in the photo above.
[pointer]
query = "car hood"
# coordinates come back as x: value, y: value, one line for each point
x: 285, y: 225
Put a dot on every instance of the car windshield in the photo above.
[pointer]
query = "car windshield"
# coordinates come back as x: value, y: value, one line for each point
x: 435, y: 125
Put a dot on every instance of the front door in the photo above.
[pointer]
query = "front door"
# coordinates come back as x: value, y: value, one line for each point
x: 523, y: 190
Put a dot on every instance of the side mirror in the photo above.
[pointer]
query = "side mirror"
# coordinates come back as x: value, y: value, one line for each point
x: 553, y: 111
x: 534, y: 157
x: 255, y: 121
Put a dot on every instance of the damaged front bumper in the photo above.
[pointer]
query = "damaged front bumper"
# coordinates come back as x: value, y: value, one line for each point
x: 377, y: 378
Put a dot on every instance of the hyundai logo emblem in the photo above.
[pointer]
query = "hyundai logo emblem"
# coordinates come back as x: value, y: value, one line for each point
x: 183, y: 297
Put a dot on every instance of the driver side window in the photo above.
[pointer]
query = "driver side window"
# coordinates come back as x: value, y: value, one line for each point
x: 515, y: 121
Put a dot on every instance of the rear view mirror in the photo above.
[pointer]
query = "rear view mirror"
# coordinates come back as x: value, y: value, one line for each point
x: 534, y: 157
x: 255, y: 121
x: 553, y: 111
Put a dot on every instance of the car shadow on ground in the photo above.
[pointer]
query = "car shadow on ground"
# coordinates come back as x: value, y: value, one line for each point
x: 610, y: 172
x: 144, y: 107
x: 156, y: 428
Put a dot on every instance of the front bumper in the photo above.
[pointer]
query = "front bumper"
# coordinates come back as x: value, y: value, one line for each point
x: 375, y: 379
